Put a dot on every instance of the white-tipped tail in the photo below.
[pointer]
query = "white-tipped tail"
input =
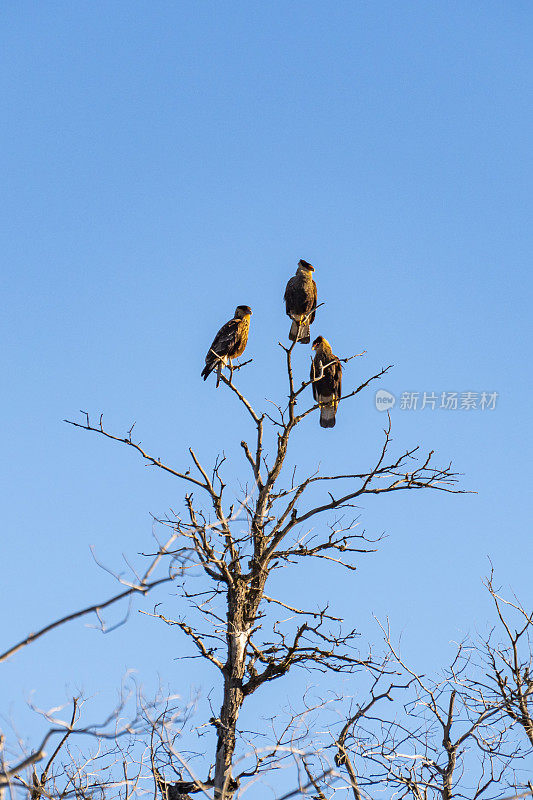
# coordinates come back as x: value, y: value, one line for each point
x: 304, y: 336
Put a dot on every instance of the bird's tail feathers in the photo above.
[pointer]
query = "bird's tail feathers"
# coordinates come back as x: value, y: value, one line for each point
x: 304, y: 337
x: 213, y: 362
x: 328, y: 409
x: 293, y: 333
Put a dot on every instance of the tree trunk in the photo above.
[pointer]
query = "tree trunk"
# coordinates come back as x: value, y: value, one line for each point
x: 237, y: 636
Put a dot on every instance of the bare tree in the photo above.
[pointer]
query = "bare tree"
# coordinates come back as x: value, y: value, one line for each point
x: 238, y: 541
x: 510, y: 664
x: 70, y: 770
x: 445, y: 739
x: 457, y: 735
x: 453, y: 735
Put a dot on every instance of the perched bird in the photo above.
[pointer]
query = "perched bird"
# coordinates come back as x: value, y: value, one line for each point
x: 300, y: 302
x: 326, y: 375
x: 230, y: 342
x: 179, y: 790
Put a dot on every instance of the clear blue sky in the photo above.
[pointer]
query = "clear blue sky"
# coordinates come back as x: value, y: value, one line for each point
x: 163, y: 162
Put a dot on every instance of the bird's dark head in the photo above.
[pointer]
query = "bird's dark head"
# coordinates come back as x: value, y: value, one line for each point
x: 243, y: 311
x: 305, y: 266
x: 320, y: 343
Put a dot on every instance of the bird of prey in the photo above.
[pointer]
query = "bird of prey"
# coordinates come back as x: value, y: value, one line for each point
x: 300, y: 302
x: 230, y: 342
x: 179, y: 790
x: 326, y: 377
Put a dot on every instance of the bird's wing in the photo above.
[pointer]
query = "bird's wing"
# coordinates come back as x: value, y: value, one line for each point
x: 318, y: 374
x: 312, y: 376
x: 337, y: 379
x: 327, y: 375
x: 312, y: 315
x: 226, y: 339
x: 289, y: 293
x: 300, y: 297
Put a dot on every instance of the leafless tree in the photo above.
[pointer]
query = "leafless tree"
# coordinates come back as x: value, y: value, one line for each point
x: 238, y: 542
x: 221, y: 550
x: 510, y: 663
x: 445, y: 739
x: 457, y: 735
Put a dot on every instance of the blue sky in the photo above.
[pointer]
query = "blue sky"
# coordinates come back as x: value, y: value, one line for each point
x: 163, y: 162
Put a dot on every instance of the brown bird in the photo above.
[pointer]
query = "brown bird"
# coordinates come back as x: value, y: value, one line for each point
x: 179, y: 790
x: 326, y: 377
x: 230, y: 342
x: 300, y: 302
